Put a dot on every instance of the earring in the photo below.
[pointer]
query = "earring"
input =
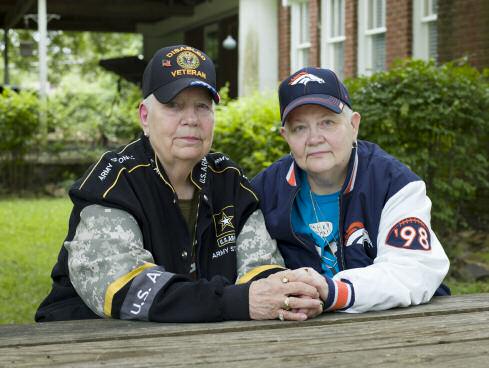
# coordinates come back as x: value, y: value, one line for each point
x: 146, y: 134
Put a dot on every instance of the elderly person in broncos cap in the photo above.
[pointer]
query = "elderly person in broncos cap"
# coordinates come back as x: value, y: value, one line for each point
x: 346, y: 208
x: 162, y: 230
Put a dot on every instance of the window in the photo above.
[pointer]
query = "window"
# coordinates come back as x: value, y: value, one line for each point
x: 425, y: 35
x: 211, y: 41
x: 371, y: 36
x: 300, y: 34
x: 333, y: 32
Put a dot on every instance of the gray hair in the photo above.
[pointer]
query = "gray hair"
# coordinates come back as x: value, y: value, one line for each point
x: 347, y: 113
x: 148, y: 101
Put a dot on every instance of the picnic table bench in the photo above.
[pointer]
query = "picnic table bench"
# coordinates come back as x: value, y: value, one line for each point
x: 448, y: 332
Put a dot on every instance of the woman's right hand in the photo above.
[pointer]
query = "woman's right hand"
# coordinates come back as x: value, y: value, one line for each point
x: 285, y: 295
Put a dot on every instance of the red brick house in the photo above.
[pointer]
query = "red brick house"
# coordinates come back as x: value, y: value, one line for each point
x: 359, y: 37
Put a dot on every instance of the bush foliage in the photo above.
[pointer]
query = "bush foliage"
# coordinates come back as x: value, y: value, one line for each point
x: 19, y: 123
x: 247, y: 130
x: 93, y: 113
x: 435, y: 120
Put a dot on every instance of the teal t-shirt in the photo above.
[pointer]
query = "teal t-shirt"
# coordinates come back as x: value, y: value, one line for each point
x: 317, y: 216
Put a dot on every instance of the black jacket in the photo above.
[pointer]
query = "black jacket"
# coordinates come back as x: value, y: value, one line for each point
x: 132, y: 179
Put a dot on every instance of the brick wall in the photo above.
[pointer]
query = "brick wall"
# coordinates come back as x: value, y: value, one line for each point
x: 463, y: 30
x: 283, y: 41
x: 351, y: 40
x: 399, y: 22
x: 314, y: 18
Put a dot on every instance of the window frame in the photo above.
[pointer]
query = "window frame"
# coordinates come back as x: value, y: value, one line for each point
x: 421, y: 28
x: 365, y: 39
x: 332, y: 40
x: 297, y: 47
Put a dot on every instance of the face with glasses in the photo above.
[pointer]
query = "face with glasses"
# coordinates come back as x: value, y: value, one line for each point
x: 321, y: 140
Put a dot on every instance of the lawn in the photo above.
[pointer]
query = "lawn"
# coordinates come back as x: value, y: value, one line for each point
x: 31, y: 233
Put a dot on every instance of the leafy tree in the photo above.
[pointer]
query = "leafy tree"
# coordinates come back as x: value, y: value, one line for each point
x: 68, y: 53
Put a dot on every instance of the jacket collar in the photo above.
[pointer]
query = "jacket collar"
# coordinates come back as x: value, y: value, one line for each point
x: 198, y: 176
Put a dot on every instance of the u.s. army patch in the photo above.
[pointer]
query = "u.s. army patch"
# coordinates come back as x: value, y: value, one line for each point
x: 224, y: 226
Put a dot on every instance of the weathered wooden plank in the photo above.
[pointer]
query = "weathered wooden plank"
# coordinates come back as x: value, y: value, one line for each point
x: 456, y: 355
x: 100, y: 330
x: 417, y: 340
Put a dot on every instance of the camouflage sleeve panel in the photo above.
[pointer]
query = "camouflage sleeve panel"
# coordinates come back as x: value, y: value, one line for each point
x: 257, y: 252
x: 107, y: 254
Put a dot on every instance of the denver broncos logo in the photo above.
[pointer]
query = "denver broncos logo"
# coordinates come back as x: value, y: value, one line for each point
x: 357, y: 235
x: 410, y: 233
x: 304, y: 78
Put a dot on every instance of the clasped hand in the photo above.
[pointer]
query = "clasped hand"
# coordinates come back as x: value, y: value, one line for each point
x: 294, y: 295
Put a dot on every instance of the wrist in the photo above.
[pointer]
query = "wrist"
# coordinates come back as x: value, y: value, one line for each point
x: 340, y: 295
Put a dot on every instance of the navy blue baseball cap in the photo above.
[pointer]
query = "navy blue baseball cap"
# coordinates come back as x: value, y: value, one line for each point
x: 174, y: 68
x: 312, y: 86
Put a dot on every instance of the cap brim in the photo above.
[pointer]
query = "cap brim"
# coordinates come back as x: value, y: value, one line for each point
x: 327, y: 101
x: 166, y: 93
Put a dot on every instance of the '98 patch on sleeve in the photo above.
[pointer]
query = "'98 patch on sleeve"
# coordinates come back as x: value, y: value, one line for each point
x: 410, y: 233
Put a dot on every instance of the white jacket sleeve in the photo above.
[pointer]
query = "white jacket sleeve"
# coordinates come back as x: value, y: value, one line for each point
x: 410, y: 262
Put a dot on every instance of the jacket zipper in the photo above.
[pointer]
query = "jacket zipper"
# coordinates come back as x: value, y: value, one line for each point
x: 193, y: 255
x: 175, y: 200
x: 340, y: 231
x: 290, y: 223
x: 290, y: 218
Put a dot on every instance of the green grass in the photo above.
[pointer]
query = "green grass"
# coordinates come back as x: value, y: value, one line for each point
x: 461, y: 287
x: 31, y: 234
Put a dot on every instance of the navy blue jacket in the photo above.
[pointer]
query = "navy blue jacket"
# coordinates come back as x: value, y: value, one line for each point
x: 388, y: 254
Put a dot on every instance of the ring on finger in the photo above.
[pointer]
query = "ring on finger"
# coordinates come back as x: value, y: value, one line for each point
x: 285, y: 279
x: 281, y: 315
x: 286, y: 304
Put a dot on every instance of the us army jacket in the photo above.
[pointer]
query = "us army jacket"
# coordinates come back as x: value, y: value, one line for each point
x: 387, y: 253
x: 128, y: 252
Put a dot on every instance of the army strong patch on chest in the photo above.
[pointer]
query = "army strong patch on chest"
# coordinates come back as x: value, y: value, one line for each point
x: 224, y: 226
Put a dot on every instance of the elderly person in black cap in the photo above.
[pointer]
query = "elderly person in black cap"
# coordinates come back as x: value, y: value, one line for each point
x: 346, y: 208
x: 162, y: 230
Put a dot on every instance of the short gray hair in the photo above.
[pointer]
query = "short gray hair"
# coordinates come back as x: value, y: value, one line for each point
x: 148, y: 101
x: 347, y: 113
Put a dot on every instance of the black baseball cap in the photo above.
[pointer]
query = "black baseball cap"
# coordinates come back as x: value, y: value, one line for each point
x: 174, y: 68
x: 312, y: 86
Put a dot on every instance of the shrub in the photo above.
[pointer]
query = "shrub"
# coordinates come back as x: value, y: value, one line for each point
x: 247, y: 130
x: 435, y: 120
x: 93, y: 113
x: 19, y: 122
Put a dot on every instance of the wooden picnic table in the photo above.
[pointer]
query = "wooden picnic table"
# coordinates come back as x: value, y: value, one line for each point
x: 448, y: 332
